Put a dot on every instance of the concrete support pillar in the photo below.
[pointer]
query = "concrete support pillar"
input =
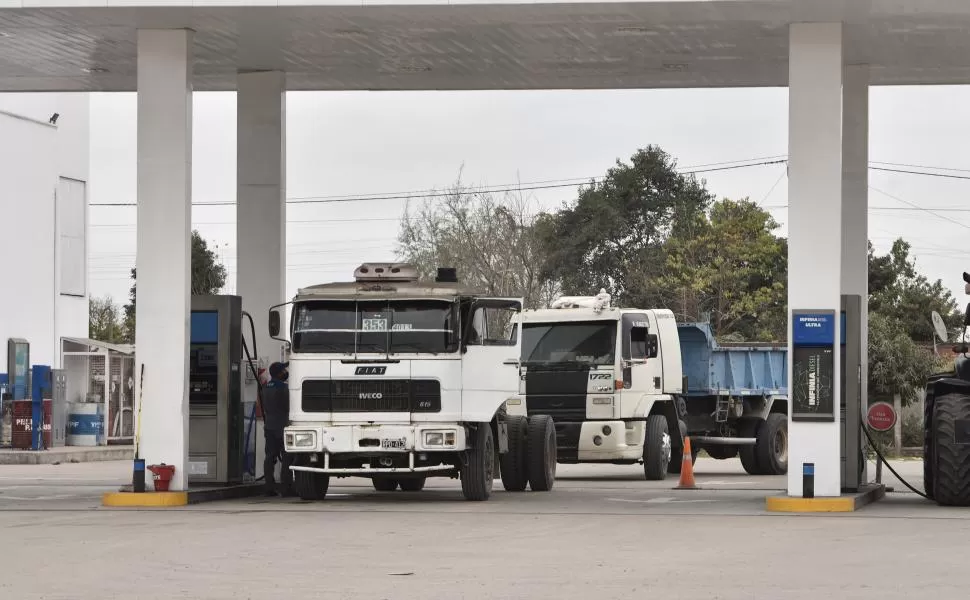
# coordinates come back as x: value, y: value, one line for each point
x: 855, y: 203
x: 261, y: 199
x: 164, y: 248
x: 815, y: 220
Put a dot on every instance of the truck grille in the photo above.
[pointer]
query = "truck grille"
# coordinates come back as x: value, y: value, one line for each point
x: 560, y: 394
x: 373, y: 395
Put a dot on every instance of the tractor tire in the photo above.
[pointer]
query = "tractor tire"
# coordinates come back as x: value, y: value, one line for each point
x: 478, y: 469
x: 721, y: 451
x: 384, y: 484
x: 514, y: 468
x: 951, y: 450
x: 656, y: 449
x: 772, y: 446
x: 929, y: 461
x: 541, y: 455
x: 311, y: 486
x: 749, y: 428
x: 413, y: 485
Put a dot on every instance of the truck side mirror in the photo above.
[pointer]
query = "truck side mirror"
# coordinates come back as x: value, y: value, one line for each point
x: 274, y: 323
x: 653, y: 346
x: 966, y: 317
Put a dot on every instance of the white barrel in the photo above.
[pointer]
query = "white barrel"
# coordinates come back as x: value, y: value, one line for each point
x: 85, y: 424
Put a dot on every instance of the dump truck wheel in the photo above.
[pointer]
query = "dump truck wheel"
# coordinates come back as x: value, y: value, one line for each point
x: 384, y: 484
x: 749, y: 428
x: 951, y: 450
x: 772, y: 446
x: 478, y: 471
x: 656, y: 449
x: 514, y: 469
x: 929, y: 461
x: 541, y: 453
x: 413, y: 485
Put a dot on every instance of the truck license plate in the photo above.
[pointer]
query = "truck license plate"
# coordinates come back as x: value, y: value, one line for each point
x: 393, y: 444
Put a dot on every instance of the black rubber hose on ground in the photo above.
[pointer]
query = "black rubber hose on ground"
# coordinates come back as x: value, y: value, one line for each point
x: 875, y: 449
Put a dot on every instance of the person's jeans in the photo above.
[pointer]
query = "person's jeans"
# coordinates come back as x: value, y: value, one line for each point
x: 275, y: 450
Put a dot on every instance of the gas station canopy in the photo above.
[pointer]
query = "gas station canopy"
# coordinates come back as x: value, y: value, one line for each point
x: 459, y: 45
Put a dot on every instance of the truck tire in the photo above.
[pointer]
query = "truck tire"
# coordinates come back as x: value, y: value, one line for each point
x: 656, y: 449
x: 951, y: 450
x: 772, y: 446
x: 413, y: 485
x: 478, y: 469
x: 311, y: 486
x: 721, y: 451
x: 749, y: 428
x: 514, y: 469
x: 541, y: 453
x: 384, y: 484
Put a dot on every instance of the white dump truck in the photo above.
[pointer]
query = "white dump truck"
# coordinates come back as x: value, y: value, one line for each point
x: 398, y: 380
x: 626, y: 386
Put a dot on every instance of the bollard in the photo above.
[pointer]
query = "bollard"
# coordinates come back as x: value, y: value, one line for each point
x: 808, y: 480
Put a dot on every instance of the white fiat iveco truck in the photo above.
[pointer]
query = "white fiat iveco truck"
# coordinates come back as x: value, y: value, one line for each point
x: 397, y: 380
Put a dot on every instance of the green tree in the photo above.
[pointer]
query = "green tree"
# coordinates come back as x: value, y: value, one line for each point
x: 208, y: 277
x: 897, y: 365
x: 613, y: 236
x: 898, y: 291
x: 730, y: 267
x: 105, y: 322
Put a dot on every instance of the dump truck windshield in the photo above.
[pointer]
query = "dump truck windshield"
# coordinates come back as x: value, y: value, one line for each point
x: 375, y: 327
x: 591, y: 342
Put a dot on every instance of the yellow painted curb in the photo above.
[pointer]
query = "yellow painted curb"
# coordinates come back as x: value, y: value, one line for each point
x: 145, y: 499
x: 810, y: 505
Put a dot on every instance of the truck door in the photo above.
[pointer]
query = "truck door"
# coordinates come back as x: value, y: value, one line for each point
x: 639, y: 344
x: 491, y: 347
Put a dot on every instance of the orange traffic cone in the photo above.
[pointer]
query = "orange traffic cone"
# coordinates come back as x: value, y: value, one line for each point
x: 686, y: 469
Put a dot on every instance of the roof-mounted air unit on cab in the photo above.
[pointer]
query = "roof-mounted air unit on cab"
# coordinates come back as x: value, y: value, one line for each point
x: 401, y: 272
x: 598, y: 302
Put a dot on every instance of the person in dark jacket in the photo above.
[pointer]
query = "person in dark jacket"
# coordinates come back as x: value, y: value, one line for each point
x: 276, y: 415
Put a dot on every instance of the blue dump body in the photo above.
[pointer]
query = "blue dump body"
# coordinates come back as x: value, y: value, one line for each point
x: 735, y: 370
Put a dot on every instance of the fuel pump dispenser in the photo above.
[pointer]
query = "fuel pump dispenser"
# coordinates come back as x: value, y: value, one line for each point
x: 852, y: 402
x: 217, y: 444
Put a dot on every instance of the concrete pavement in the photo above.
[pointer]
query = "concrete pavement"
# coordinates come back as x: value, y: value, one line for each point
x: 602, y: 532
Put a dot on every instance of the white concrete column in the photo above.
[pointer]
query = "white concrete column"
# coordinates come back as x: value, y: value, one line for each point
x: 855, y: 203
x: 261, y: 199
x: 164, y: 248
x: 815, y: 222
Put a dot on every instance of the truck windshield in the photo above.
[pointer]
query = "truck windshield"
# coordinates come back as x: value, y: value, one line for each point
x: 591, y: 342
x: 377, y: 327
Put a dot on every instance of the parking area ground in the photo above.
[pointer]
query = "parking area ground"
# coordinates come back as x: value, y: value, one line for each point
x: 603, y: 532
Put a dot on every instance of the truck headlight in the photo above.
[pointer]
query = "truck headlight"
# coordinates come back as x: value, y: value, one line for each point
x: 304, y: 439
x: 602, y: 401
x: 439, y: 438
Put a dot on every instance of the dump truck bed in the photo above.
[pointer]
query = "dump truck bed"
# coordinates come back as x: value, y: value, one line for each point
x: 748, y: 369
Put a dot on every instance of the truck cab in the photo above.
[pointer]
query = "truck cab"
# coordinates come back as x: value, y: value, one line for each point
x: 609, y: 378
x: 399, y: 379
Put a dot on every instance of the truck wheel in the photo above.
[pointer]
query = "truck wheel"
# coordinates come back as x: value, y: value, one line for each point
x: 721, y: 451
x: 384, y: 484
x: 772, y: 446
x: 413, y: 485
x: 541, y: 453
x: 514, y: 469
x: 478, y: 470
x: 311, y: 486
x: 951, y: 450
x: 656, y: 449
x: 749, y: 428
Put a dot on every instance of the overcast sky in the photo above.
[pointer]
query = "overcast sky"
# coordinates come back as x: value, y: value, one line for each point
x: 388, y: 143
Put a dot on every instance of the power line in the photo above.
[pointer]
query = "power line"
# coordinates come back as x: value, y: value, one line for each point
x: 530, y: 186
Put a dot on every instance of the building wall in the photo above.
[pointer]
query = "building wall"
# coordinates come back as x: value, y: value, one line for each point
x: 43, y: 239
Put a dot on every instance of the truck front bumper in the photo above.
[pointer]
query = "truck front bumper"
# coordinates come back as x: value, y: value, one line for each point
x: 610, y: 440
x: 374, y: 439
